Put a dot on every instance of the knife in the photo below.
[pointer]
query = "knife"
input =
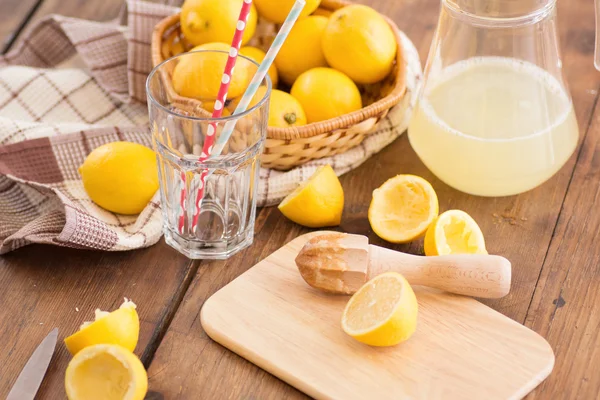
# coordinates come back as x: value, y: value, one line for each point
x: 31, y: 376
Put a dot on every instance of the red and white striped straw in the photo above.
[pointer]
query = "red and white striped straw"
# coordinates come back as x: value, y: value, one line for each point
x: 218, y: 109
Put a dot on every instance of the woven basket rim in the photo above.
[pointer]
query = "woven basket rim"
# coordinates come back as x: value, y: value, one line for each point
x: 321, y: 127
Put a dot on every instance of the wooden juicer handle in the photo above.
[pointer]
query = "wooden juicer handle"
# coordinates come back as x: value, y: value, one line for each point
x: 478, y: 275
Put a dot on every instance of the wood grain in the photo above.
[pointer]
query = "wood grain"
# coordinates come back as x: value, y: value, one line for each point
x: 566, y: 300
x: 519, y: 227
x: 270, y: 316
x: 189, y: 365
x: 42, y: 287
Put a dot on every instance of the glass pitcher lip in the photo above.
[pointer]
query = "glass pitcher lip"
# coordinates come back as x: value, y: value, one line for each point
x: 529, y: 18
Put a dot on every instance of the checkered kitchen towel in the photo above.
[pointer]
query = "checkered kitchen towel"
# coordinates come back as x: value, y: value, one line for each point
x: 51, y: 117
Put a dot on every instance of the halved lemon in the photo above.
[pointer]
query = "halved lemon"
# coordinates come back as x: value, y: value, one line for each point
x: 454, y: 232
x: 317, y: 202
x: 383, y: 312
x: 106, y: 372
x: 121, y: 327
x: 403, y: 208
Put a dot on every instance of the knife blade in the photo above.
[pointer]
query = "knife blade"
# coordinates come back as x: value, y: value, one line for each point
x: 31, y: 376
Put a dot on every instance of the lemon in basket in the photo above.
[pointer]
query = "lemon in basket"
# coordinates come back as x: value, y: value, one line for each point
x: 302, y: 49
x: 284, y: 110
x: 257, y: 55
x: 205, y: 21
x: 120, y: 177
x: 325, y: 93
x: 198, y: 75
x: 360, y: 43
x: 278, y: 10
x: 323, y: 12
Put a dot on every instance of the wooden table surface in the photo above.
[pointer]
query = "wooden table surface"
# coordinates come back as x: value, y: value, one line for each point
x: 550, y: 235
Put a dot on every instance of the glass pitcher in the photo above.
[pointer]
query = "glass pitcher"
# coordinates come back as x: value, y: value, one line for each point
x: 494, y: 115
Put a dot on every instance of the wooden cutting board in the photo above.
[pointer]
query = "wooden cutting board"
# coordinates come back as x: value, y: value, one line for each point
x: 462, y: 349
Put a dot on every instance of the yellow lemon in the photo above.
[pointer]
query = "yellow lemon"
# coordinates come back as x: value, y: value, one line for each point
x: 383, y: 312
x: 278, y: 10
x: 302, y: 50
x: 205, y: 21
x: 326, y: 93
x: 121, y: 177
x: 284, y: 109
x: 198, y: 75
x: 403, y: 208
x: 360, y: 43
x: 106, y: 372
x: 454, y: 232
x: 121, y: 327
x: 317, y: 202
x: 323, y: 12
x: 256, y: 54
x: 210, y: 107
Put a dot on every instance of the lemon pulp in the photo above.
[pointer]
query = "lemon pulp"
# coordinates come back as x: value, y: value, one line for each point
x: 383, y: 312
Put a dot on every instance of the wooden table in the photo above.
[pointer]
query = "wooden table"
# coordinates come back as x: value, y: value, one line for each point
x: 550, y: 235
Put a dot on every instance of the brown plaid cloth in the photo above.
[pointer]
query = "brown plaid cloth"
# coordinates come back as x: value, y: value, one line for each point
x: 51, y: 117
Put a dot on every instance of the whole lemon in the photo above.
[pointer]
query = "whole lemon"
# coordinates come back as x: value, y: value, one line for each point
x: 210, y: 107
x: 326, y: 93
x: 284, y: 109
x: 302, y: 49
x: 205, y: 21
x: 277, y: 10
x: 199, y: 75
x: 120, y: 177
x: 360, y: 43
x: 256, y: 54
x: 323, y: 12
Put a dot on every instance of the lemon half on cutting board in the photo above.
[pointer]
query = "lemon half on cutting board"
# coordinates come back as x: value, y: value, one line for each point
x: 454, y: 232
x: 383, y: 312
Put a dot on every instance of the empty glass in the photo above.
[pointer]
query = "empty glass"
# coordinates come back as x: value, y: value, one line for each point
x: 494, y: 115
x: 216, y: 219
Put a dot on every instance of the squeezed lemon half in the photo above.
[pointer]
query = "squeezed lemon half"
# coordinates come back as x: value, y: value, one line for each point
x: 106, y: 372
x: 454, y: 232
x: 403, y: 208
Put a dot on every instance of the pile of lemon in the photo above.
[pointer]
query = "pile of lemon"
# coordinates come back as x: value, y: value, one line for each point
x: 103, y: 364
x: 404, y: 209
x: 383, y: 312
x: 322, y: 60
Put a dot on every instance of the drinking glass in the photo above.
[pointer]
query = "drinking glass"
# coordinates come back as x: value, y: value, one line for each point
x: 494, y: 115
x: 212, y: 219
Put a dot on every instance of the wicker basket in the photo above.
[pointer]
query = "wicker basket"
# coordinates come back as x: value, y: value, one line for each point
x: 286, y: 148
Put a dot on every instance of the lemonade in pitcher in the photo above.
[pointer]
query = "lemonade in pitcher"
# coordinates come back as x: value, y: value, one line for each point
x: 494, y: 116
x: 494, y: 126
